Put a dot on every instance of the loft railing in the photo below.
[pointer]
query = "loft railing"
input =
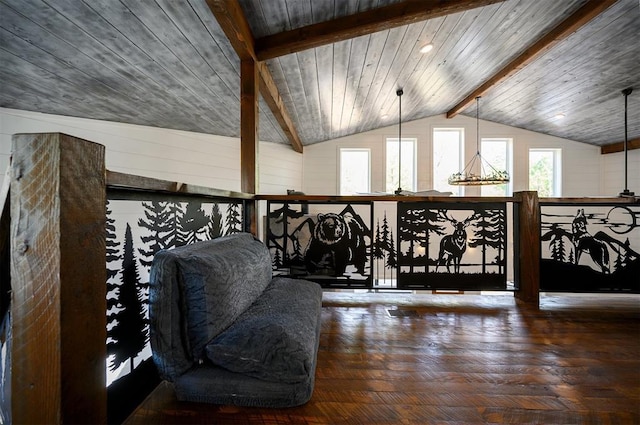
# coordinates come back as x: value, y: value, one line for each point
x: 57, y: 237
x: 590, y: 245
x: 145, y: 216
x: 391, y: 243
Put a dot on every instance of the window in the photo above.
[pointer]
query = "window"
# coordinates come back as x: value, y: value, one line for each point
x: 545, y: 172
x: 447, y: 157
x: 497, y: 152
x: 354, y: 171
x: 408, y: 174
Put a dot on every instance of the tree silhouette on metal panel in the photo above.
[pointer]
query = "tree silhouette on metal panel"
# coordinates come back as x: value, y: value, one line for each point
x: 192, y: 224
x: 415, y: 224
x: 161, y: 230
x: 280, y: 242
x: 557, y: 237
x: 128, y: 335
x: 489, y: 231
x: 234, y: 219
x: 113, y: 258
x: 214, y: 228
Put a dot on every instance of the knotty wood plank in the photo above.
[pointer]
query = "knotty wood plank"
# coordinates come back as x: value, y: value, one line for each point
x: 58, y: 253
x: 463, y: 359
x: 363, y: 23
x: 5, y: 275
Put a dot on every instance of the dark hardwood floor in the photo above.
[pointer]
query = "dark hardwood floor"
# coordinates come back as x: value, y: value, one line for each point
x: 456, y: 359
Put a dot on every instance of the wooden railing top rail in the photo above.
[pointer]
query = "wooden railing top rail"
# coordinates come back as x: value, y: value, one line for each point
x: 383, y: 198
x: 591, y: 200
x: 125, y: 181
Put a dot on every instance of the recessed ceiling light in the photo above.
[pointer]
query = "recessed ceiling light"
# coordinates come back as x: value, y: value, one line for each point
x: 384, y: 116
x: 426, y: 48
x: 559, y: 116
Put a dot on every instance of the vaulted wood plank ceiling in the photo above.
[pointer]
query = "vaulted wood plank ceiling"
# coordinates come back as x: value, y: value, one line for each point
x: 169, y: 64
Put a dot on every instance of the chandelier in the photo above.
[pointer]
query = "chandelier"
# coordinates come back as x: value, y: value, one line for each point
x: 488, y: 173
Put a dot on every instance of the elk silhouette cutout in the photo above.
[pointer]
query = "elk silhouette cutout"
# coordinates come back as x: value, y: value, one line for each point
x: 583, y: 241
x: 454, y: 245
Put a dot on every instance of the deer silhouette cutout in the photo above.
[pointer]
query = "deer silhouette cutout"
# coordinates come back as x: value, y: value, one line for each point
x: 454, y: 245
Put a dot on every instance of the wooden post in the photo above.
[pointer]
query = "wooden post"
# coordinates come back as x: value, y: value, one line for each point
x: 527, y: 245
x: 58, y: 306
x: 249, y: 83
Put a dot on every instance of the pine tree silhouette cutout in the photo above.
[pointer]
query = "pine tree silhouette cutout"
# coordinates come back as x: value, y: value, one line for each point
x: 385, y: 244
x: 161, y: 231
x: 128, y: 335
x: 487, y: 233
x: 192, y: 224
x: 234, y: 219
x: 214, y: 228
x: 378, y: 253
x: 113, y: 268
x: 556, y: 237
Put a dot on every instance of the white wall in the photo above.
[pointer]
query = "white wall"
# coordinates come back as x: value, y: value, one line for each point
x: 214, y: 161
x: 195, y: 158
x: 582, y: 164
x: 613, y: 172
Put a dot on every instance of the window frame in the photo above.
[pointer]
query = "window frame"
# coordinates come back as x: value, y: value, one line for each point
x: 456, y: 190
x: 414, y: 148
x: 557, y: 169
x: 351, y: 149
x: 508, y: 160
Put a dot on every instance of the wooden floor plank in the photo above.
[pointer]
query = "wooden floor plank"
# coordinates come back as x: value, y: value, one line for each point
x: 459, y: 360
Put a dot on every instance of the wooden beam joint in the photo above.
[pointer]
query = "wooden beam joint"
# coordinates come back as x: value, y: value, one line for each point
x: 619, y: 146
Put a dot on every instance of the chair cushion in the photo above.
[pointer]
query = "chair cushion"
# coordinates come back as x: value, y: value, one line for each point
x: 276, y: 338
x: 210, y: 283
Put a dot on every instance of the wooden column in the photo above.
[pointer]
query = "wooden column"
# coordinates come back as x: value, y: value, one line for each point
x: 527, y: 245
x: 249, y: 82
x: 58, y: 308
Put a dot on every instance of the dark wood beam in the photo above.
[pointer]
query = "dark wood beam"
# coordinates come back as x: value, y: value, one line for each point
x: 270, y: 94
x: 619, y: 147
x: 234, y: 23
x: 567, y: 27
x: 527, y: 251
x: 363, y: 23
x: 248, y: 125
x: 58, y: 280
x: 231, y: 18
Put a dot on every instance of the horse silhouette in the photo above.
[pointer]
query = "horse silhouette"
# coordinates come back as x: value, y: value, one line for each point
x: 583, y: 241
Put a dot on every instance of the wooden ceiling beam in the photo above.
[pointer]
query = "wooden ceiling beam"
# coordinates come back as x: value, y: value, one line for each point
x: 270, y: 94
x: 234, y: 23
x: 567, y: 27
x: 619, y: 147
x: 363, y: 23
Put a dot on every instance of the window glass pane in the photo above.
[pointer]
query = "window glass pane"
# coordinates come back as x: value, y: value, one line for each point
x: 408, y: 173
x: 544, y: 172
x: 354, y: 171
x: 496, y: 153
x: 446, y: 158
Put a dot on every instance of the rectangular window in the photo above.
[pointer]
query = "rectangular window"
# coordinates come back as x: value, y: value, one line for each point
x: 545, y: 172
x: 408, y: 164
x: 354, y: 171
x: 447, y: 157
x: 497, y: 153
